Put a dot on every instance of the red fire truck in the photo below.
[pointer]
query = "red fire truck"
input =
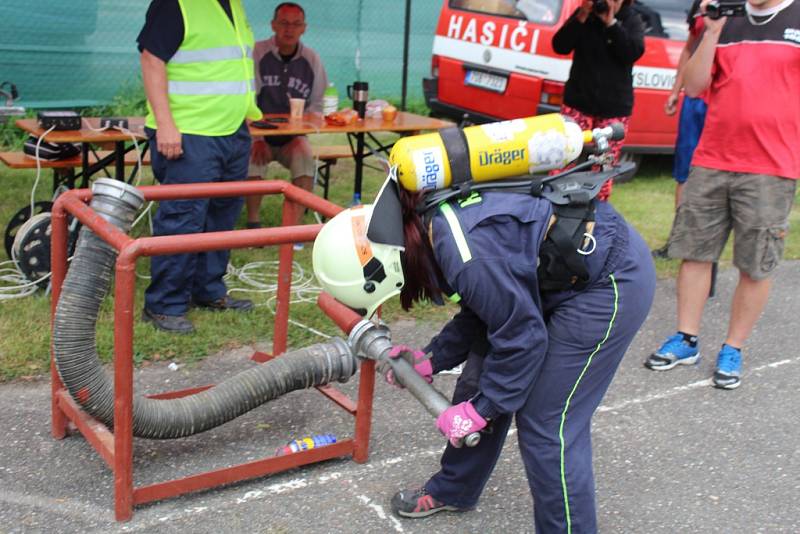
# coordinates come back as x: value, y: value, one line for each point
x: 493, y: 60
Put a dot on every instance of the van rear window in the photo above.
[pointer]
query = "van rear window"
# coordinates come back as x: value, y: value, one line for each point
x: 538, y: 11
x: 664, y: 18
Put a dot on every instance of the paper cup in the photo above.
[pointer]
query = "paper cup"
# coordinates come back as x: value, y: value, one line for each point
x: 296, y: 107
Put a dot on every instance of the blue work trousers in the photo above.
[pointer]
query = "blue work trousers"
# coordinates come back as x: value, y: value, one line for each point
x: 178, y: 278
x: 589, y: 332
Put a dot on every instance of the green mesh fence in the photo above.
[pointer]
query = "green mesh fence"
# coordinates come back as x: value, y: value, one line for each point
x: 83, y: 52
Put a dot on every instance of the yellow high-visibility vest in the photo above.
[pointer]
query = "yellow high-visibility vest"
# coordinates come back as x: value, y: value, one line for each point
x: 210, y: 79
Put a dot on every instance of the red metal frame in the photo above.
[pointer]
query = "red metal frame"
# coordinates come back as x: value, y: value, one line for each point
x: 116, y: 447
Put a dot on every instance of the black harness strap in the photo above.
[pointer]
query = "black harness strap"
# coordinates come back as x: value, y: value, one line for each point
x: 561, y: 266
x: 455, y: 144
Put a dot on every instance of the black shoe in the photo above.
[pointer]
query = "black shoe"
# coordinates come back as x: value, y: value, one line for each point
x: 225, y: 303
x: 418, y: 503
x: 253, y: 225
x: 177, y: 324
x: 662, y: 252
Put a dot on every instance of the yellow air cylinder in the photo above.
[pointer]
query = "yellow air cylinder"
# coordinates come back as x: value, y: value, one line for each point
x: 496, y: 150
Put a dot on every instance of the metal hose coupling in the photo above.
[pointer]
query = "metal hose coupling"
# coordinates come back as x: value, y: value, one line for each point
x: 371, y: 341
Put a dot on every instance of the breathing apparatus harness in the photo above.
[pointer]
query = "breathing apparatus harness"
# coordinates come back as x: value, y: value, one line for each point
x: 569, y: 238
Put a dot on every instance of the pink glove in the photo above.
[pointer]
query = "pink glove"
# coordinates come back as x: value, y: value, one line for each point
x: 417, y: 358
x: 459, y: 421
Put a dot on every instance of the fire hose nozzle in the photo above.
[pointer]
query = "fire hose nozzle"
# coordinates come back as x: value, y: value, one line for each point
x: 371, y: 341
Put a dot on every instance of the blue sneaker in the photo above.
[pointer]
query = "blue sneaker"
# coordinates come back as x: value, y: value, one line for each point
x: 729, y: 367
x: 674, y: 351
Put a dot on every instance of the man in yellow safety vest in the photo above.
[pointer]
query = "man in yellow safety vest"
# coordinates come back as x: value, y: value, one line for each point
x: 197, y: 70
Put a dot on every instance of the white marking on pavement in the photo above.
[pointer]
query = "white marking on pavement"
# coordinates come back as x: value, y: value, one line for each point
x: 359, y: 471
x: 381, y: 514
x: 680, y: 389
x: 290, y: 486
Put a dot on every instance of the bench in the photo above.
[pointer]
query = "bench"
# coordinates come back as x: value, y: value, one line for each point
x: 327, y: 157
x: 64, y: 169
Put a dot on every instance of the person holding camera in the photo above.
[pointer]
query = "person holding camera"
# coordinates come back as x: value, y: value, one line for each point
x: 743, y: 174
x: 606, y: 37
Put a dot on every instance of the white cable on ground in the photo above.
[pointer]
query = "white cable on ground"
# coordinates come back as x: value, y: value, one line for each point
x: 262, y: 277
x: 20, y: 286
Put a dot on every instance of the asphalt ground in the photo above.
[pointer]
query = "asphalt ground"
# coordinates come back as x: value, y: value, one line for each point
x: 672, y: 454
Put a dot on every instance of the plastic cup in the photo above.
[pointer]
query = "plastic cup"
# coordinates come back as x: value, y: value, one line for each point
x: 296, y: 108
x: 389, y: 113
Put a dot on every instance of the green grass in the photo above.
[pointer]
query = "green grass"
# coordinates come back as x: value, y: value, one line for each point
x: 647, y: 202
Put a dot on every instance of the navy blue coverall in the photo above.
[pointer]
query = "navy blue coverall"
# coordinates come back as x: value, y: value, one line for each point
x: 546, y: 358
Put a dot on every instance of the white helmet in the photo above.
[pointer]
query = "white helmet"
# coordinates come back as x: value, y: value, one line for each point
x: 356, y: 271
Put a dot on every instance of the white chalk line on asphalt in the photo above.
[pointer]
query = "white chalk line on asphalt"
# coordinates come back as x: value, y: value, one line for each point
x: 680, y: 389
x: 77, y: 509
x: 378, y: 509
x: 290, y: 486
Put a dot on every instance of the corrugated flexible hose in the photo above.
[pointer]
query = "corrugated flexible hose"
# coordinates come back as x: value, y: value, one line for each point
x: 74, y: 332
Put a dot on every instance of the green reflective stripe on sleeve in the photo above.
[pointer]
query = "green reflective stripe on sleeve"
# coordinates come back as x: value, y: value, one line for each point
x: 569, y: 398
x: 454, y: 298
x: 458, y: 235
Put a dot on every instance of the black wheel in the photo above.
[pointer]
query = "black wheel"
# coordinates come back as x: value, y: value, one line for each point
x: 19, y: 219
x: 636, y: 159
x: 32, y: 247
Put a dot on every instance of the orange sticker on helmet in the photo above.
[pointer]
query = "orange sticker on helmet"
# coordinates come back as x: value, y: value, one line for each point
x: 363, y: 247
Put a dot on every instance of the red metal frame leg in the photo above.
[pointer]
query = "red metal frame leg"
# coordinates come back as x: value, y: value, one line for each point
x: 58, y: 262
x: 123, y: 389
x: 283, y: 294
x: 366, y: 388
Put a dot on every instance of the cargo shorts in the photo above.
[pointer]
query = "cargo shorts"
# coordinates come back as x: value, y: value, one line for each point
x: 714, y: 202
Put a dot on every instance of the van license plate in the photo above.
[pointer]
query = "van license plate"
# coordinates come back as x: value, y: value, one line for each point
x: 492, y: 82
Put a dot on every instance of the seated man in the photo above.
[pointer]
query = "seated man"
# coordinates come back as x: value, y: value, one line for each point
x: 285, y: 68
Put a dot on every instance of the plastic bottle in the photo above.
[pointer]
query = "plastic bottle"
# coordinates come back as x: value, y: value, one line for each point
x: 330, y: 99
x: 303, y: 444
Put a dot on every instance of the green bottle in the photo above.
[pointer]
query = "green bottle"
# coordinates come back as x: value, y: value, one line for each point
x: 330, y: 99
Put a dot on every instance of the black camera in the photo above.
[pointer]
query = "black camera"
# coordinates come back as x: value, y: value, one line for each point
x: 600, y: 6
x: 722, y: 8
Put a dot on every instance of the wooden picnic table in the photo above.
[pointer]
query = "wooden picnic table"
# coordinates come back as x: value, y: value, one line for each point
x: 360, y: 134
x: 91, y: 134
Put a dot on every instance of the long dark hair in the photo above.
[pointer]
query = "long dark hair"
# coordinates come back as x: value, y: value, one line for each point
x: 419, y: 264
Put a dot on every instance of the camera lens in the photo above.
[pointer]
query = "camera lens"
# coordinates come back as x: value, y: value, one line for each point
x: 600, y: 6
